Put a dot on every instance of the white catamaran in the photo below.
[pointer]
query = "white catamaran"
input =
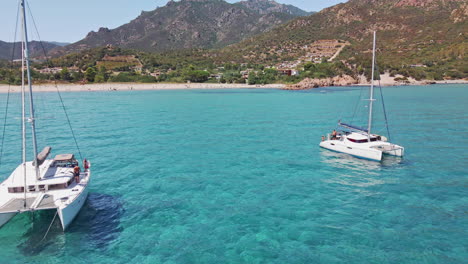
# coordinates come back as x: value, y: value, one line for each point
x: 42, y: 184
x: 360, y: 142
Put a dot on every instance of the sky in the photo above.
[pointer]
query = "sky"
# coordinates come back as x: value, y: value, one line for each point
x: 71, y: 20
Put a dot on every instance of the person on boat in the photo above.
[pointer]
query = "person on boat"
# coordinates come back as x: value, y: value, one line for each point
x: 85, y: 165
x: 76, y: 173
x: 334, y: 135
x: 323, y: 138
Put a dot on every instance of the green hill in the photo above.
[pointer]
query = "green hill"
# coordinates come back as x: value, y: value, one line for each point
x: 432, y: 33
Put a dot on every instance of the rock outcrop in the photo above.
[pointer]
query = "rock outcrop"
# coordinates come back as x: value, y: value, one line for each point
x: 309, y: 83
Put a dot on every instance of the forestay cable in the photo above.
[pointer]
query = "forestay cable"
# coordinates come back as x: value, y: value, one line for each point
x: 55, y: 82
x: 9, y: 86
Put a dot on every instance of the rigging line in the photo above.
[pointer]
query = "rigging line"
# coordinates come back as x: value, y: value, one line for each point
x: 4, y: 124
x: 384, y: 111
x: 69, y: 123
x: 48, y: 229
x: 55, y: 81
x: 357, y: 104
x: 9, y: 86
x: 38, y: 35
x: 383, y: 105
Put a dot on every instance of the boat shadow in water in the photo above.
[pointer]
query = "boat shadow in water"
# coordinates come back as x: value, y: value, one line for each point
x: 97, y: 224
x: 35, y: 239
x: 99, y: 220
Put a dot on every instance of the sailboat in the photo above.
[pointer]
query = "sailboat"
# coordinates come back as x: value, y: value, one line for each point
x: 42, y: 184
x: 361, y: 142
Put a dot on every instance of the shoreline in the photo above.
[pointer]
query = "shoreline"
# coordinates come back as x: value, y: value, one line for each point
x: 387, y: 80
x: 105, y: 87
x: 424, y: 82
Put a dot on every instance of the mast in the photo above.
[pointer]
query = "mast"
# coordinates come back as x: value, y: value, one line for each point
x: 371, y: 99
x: 23, y: 114
x: 31, y: 118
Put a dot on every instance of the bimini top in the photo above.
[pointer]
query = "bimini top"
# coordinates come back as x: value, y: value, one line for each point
x: 355, y: 128
x: 64, y: 157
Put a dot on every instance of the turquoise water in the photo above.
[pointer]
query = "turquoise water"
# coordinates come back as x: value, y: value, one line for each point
x: 236, y: 176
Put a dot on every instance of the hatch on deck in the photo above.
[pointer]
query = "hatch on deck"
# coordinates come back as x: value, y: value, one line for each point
x: 65, y: 160
x: 64, y: 157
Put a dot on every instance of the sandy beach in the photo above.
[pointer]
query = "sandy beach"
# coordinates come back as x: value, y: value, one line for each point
x: 103, y: 87
x: 134, y: 86
x: 387, y: 80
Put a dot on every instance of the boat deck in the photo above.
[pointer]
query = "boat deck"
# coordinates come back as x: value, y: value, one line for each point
x: 17, y: 204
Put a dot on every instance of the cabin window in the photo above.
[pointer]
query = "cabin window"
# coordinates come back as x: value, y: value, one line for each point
x: 15, y: 189
x: 41, y: 187
x: 362, y: 140
x: 65, y: 163
x: 31, y: 188
x: 57, y: 186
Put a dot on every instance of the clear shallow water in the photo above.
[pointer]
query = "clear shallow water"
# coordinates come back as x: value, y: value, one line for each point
x: 236, y: 176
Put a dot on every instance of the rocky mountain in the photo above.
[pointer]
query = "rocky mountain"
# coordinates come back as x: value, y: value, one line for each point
x: 189, y: 24
x: 424, y: 32
x: 268, y: 6
x: 35, y: 49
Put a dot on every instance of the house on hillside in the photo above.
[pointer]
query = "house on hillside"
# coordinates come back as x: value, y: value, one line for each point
x: 52, y: 70
x: 288, y: 72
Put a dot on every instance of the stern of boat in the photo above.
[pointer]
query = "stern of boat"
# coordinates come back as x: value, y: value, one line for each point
x: 391, y: 149
x: 5, y: 217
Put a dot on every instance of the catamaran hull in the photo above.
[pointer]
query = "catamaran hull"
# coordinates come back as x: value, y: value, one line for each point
x: 370, y: 154
x: 396, y: 152
x: 68, y: 213
x: 5, y: 217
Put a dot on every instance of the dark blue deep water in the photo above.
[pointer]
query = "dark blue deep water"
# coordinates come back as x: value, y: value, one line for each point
x: 236, y: 176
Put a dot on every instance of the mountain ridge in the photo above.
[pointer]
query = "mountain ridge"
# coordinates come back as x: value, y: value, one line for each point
x: 189, y: 24
x: 269, y: 6
x: 35, y: 49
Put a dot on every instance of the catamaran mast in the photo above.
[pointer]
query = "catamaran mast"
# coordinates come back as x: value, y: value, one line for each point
x: 23, y: 114
x: 371, y: 99
x: 31, y: 118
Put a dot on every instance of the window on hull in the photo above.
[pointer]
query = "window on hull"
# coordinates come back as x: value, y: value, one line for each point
x: 57, y: 186
x: 16, y: 189
x: 362, y: 140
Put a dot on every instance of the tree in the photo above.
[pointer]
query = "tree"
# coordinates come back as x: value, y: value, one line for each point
x: 252, y: 79
x: 90, y: 74
x: 197, y: 76
x: 65, y: 74
x: 77, y: 76
x: 102, y: 75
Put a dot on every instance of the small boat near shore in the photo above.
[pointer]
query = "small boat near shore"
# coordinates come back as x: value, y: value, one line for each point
x: 361, y: 142
x: 42, y: 184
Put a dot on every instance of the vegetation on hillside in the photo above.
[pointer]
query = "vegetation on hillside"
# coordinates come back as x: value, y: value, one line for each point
x: 425, y: 41
x: 422, y: 42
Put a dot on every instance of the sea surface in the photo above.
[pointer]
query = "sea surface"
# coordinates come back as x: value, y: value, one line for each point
x: 237, y: 176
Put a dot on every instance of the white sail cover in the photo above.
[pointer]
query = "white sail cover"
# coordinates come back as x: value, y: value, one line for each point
x: 42, y: 156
